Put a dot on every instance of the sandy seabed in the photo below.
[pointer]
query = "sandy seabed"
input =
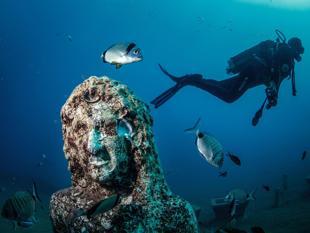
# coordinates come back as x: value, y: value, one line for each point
x: 293, y: 217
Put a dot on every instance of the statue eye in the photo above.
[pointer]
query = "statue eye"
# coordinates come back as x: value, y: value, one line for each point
x: 90, y: 96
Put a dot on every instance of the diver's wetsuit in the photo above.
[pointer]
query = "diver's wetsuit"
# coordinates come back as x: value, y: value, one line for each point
x: 259, y: 70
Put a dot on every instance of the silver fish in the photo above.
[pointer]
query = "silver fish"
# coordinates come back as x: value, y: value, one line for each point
x: 122, y: 53
x: 210, y: 148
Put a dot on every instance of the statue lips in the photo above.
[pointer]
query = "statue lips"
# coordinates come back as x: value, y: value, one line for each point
x: 101, y: 157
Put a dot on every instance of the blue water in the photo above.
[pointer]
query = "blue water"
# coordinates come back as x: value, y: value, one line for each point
x: 40, y: 66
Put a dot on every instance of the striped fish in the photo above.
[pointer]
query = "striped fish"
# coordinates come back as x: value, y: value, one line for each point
x: 21, y: 207
x: 210, y: 148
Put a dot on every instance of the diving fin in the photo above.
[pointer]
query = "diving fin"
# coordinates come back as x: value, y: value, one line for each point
x: 172, y: 77
x: 165, y: 96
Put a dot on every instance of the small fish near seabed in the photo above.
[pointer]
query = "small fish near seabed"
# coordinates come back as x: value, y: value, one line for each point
x: 304, y: 155
x: 208, y: 146
x: 266, y: 188
x: 223, y: 174
x: 235, y: 159
x: 21, y: 208
x: 121, y: 54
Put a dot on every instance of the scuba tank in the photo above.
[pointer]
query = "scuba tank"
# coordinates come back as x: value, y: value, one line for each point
x: 261, y: 51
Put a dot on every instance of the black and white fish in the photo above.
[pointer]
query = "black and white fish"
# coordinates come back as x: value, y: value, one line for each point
x: 21, y: 207
x: 209, y: 147
x: 122, y: 53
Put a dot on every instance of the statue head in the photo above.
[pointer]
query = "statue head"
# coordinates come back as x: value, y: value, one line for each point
x: 98, y: 130
x: 109, y: 145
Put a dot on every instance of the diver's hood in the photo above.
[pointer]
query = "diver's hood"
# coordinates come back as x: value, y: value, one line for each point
x: 296, y: 45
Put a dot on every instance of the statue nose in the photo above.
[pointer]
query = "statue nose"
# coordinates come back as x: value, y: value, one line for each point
x: 96, y: 146
x: 95, y: 141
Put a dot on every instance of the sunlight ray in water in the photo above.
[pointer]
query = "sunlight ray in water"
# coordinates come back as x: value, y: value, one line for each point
x: 289, y: 4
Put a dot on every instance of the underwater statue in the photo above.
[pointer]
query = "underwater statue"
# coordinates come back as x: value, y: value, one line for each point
x: 117, y: 182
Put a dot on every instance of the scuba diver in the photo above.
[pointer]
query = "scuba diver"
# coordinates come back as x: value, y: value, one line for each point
x: 267, y: 63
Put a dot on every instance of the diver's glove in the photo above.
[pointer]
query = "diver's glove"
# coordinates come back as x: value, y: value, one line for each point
x: 272, y: 96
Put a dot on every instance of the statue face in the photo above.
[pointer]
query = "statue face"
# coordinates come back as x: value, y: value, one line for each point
x: 102, y: 147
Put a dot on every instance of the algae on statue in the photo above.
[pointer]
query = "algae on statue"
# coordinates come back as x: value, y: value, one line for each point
x: 104, y: 162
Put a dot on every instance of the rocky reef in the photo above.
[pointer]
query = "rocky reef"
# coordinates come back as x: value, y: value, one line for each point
x: 109, y: 146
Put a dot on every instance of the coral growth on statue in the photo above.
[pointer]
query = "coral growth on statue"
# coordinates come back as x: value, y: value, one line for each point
x: 109, y: 145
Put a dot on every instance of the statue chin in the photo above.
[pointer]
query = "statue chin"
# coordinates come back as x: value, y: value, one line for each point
x: 101, y: 175
x: 109, y: 171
